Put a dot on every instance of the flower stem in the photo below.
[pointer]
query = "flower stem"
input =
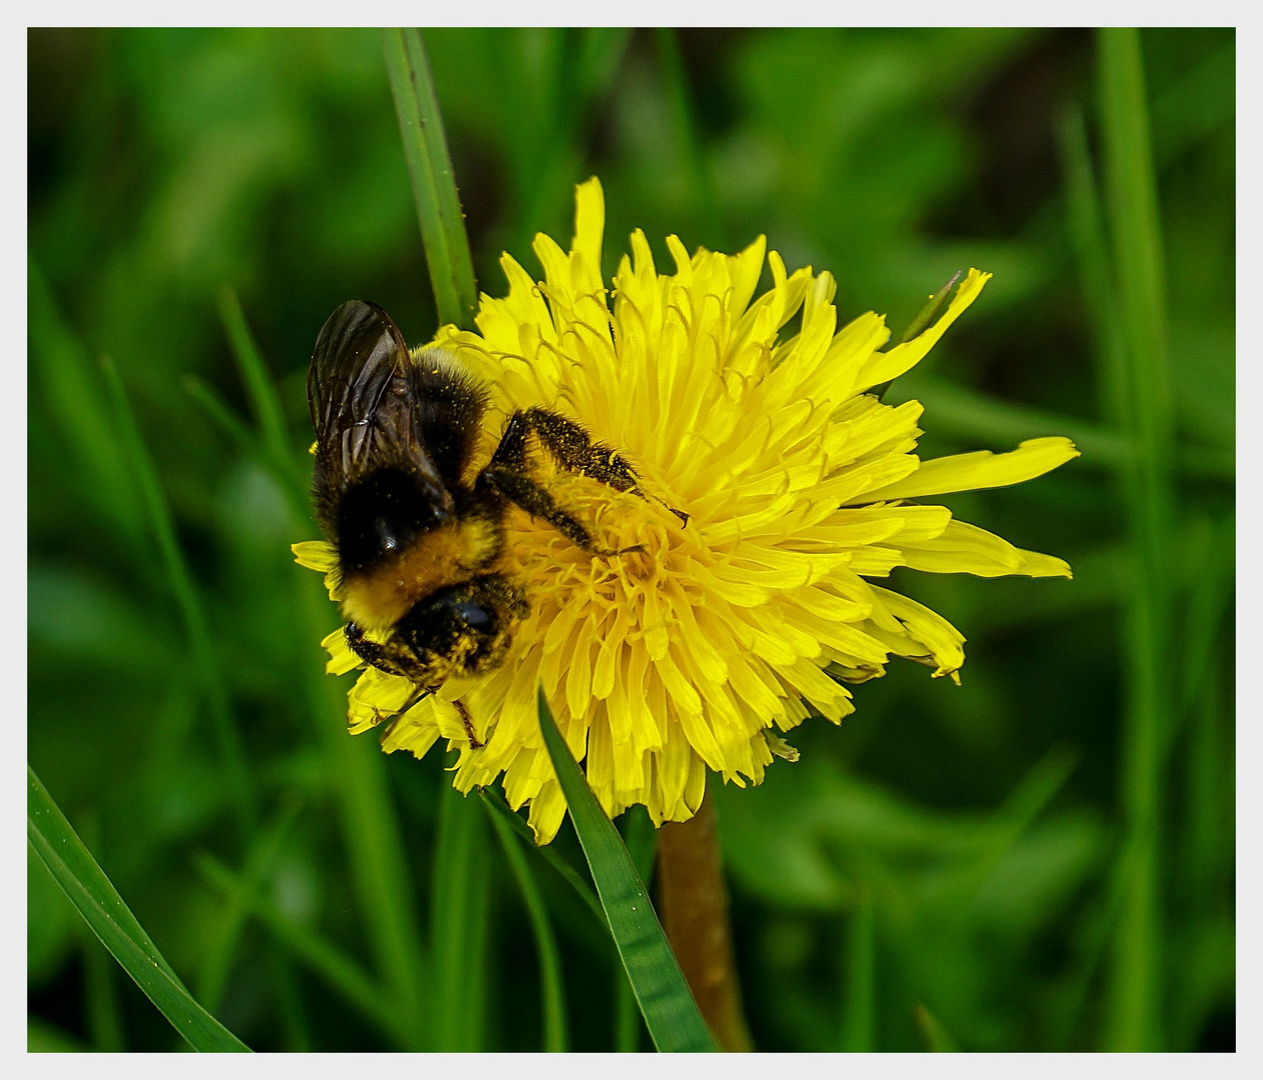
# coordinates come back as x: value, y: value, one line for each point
x: 693, y: 902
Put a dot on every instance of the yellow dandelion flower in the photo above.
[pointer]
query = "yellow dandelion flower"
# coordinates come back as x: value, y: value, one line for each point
x: 695, y: 651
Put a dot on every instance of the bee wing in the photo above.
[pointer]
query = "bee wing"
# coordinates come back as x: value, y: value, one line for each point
x: 359, y: 350
x: 361, y: 390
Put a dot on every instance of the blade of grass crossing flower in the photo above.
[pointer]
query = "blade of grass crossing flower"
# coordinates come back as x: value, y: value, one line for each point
x: 184, y: 590
x: 665, y: 1002
x: 96, y: 899
x: 641, y: 839
x: 859, y: 1013
x: 460, y: 901
x: 552, y: 989
x: 433, y: 184
x: 1133, y: 1020
x: 341, y: 973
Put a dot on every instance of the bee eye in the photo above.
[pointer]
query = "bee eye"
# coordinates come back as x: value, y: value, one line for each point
x: 475, y: 617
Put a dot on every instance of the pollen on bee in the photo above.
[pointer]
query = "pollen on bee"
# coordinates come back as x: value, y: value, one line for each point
x: 445, y: 556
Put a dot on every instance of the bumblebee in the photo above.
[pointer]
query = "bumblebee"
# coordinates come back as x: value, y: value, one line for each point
x: 420, y: 534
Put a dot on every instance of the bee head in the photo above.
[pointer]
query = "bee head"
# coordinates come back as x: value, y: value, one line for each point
x: 464, y: 626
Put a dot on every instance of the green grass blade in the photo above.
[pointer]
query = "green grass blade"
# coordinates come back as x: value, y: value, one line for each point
x: 859, y: 1017
x: 1212, y: 596
x: 268, y: 412
x: 552, y: 989
x: 294, y: 1021
x: 641, y: 839
x: 101, y: 997
x: 213, y: 977
x: 936, y: 1036
x: 183, y: 588
x: 704, y: 198
x: 339, y: 972
x: 91, y: 892
x: 930, y: 311
x: 371, y: 831
x: 433, y: 184
x: 458, y: 939
x: 972, y: 414
x: 496, y: 802
x: 43, y: 1038
x: 291, y: 480
x: 71, y: 387
x: 627, y: 1020
x: 581, y: 70
x: 670, y: 1012
x: 1133, y: 1020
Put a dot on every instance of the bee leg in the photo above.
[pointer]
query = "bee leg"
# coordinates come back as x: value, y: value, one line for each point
x: 537, y: 501
x: 572, y: 448
x: 383, y: 657
x: 468, y: 721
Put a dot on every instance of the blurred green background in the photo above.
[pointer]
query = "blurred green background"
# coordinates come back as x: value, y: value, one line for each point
x: 1042, y: 859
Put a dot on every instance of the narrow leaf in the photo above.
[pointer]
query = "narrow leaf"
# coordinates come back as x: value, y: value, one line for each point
x: 689, y: 151
x: 184, y: 589
x: 460, y: 897
x: 60, y: 368
x: 268, y: 411
x: 338, y: 971
x: 936, y: 1036
x: 85, y: 883
x: 433, y: 184
x: 372, y: 833
x: 495, y: 801
x: 859, y: 1016
x: 552, y: 990
x: 930, y: 311
x: 668, y: 1007
x: 1134, y: 1019
x: 225, y: 942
